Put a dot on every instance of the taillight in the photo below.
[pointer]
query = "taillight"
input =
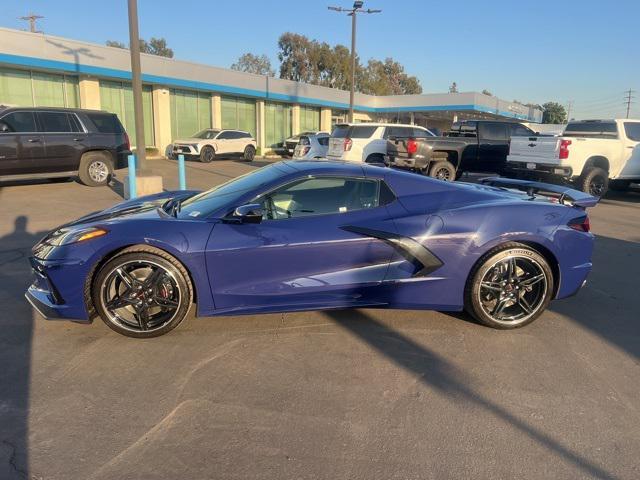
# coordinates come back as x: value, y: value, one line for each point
x: 412, y: 146
x: 564, y: 149
x: 348, y: 143
x: 127, y: 142
x: 580, y: 224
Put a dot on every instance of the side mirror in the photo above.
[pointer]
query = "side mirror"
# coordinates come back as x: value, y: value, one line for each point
x: 250, y: 213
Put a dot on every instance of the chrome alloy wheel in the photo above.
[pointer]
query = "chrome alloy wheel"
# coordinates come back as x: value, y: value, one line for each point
x: 443, y: 174
x: 98, y: 171
x: 513, y: 289
x: 140, y: 296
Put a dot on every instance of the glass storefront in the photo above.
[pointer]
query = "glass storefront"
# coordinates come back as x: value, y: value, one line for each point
x: 25, y: 88
x: 117, y: 97
x: 190, y: 113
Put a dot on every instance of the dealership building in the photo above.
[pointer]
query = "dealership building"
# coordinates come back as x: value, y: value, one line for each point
x: 181, y: 98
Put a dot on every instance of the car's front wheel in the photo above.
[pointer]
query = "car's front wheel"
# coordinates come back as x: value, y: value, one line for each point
x: 207, y: 154
x: 509, y: 287
x: 249, y: 153
x: 142, y: 292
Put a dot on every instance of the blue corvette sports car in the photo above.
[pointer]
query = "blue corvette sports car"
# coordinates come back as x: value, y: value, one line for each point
x: 318, y: 235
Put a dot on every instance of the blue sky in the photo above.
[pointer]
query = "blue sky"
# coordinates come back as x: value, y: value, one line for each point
x: 584, y: 51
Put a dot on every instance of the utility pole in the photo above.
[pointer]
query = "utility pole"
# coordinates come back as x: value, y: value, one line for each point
x: 353, y: 13
x: 628, y: 99
x: 136, y: 83
x: 569, y: 106
x: 31, y: 18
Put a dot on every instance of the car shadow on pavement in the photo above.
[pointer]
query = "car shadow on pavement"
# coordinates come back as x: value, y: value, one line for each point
x: 632, y: 195
x: 437, y: 373
x: 612, y: 286
x: 16, y: 331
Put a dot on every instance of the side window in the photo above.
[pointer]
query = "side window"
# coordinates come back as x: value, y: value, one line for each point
x: 362, y: 131
x: 324, y: 140
x: 398, y: 132
x: 518, y: 130
x: 320, y: 196
x: 225, y: 136
x: 632, y: 131
x: 105, y: 123
x: 245, y: 135
x: 56, y: 122
x: 18, y: 122
x: 420, y: 133
x: 493, y: 131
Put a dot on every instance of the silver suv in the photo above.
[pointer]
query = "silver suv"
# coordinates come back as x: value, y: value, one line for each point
x: 211, y: 143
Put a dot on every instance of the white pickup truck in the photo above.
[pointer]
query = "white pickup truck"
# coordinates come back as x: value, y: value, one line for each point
x: 593, y: 154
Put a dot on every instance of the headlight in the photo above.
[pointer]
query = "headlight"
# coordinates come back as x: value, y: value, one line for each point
x: 65, y: 236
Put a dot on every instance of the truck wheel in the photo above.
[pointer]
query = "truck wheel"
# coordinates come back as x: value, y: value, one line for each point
x: 207, y: 154
x: 95, y: 169
x: 619, y: 185
x: 443, y: 170
x: 595, y: 181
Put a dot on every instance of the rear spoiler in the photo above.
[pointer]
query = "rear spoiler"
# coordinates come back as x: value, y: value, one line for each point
x: 564, y: 194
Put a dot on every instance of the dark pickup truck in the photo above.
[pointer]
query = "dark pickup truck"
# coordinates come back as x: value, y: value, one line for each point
x: 470, y: 146
x: 38, y: 142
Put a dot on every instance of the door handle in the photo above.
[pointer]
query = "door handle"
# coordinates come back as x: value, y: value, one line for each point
x: 33, y: 140
x: 78, y: 139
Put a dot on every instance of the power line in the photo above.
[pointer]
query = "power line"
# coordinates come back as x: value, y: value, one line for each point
x: 31, y: 18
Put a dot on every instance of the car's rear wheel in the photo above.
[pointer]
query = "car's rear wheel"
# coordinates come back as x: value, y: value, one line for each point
x: 207, y: 154
x: 142, y: 292
x: 595, y: 181
x: 443, y: 170
x: 509, y: 287
x: 249, y: 153
x: 95, y: 169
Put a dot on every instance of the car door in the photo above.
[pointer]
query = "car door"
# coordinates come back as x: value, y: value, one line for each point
x: 304, y: 253
x: 21, y: 144
x: 64, y: 141
x: 630, y: 167
x: 493, y: 146
x: 224, y: 142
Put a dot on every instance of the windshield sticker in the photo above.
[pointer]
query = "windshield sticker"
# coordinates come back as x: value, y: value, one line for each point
x: 195, y: 213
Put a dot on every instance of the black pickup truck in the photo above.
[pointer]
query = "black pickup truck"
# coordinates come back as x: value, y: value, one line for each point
x: 38, y: 142
x: 470, y: 146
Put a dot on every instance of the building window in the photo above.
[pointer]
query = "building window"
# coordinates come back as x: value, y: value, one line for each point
x: 190, y: 112
x: 117, y: 97
x: 309, y: 119
x: 277, y: 118
x: 25, y: 88
x: 239, y: 114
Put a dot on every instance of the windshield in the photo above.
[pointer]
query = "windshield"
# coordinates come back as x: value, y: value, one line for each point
x: 208, y: 202
x: 207, y: 134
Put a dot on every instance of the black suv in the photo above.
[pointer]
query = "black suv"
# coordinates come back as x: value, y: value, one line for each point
x: 60, y: 143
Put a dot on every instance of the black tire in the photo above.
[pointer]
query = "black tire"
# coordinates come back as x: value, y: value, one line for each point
x: 594, y: 181
x: 375, y: 159
x: 170, y: 299
x: 96, y: 169
x: 249, y: 153
x: 620, y: 185
x: 443, y: 170
x: 207, y: 154
x: 525, y: 298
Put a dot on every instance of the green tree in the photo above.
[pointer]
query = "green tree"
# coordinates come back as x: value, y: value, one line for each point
x: 388, y: 78
x: 155, y: 46
x: 250, y: 63
x: 115, y: 43
x: 554, y: 113
x: 487, y: 92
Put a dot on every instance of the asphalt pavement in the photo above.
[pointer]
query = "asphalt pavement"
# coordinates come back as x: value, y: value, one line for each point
x: 361, y: 394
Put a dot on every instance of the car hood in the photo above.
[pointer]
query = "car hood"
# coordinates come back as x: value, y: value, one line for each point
x: 131, y: 207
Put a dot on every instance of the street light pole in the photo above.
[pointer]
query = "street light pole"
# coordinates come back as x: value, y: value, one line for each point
x: 353, y: 12
x: 352, y: 92
x: 136, y: 83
